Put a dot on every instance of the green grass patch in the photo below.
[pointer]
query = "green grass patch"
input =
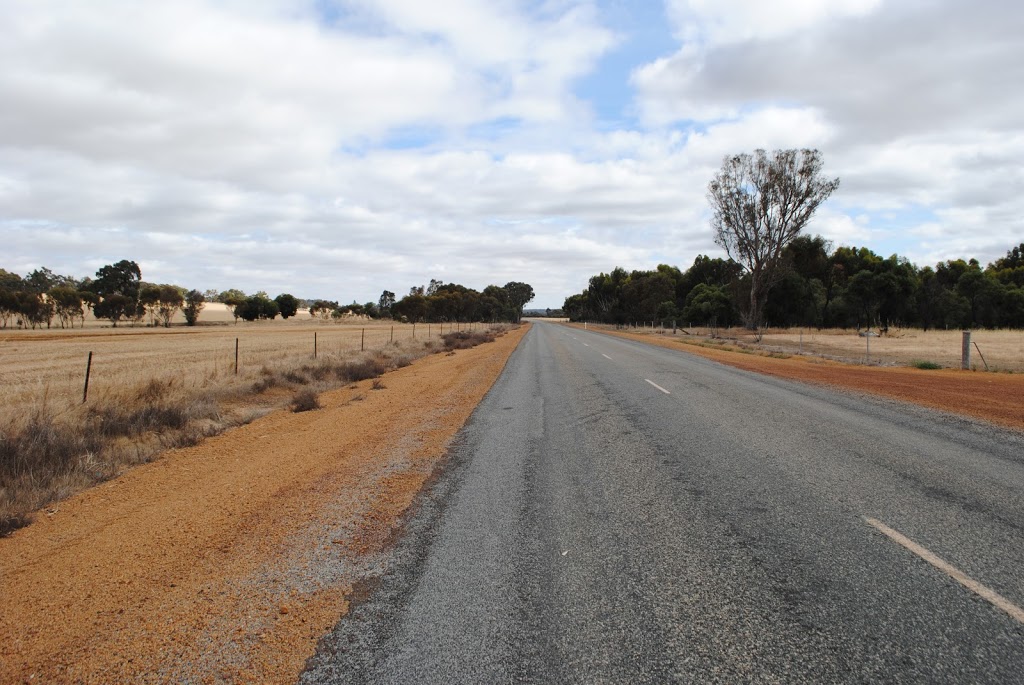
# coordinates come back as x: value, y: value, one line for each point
x: 924, y: 364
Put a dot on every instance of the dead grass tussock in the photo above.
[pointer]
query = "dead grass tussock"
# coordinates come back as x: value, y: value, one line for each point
x: 463, y: 340
x: 305, y: 400
x: 52, y: 446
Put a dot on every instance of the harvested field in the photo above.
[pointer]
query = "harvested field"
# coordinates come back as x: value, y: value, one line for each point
x: 226, y: 561
x: 151, y: 389
x: 1002, y: 350
x: 52, y: 363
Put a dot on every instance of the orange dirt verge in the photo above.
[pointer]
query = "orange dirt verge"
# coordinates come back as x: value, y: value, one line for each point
x: 226, y: 562
x: 994, y: 397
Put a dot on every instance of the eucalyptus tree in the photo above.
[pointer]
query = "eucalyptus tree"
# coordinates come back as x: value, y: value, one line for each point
x: 759, y: 204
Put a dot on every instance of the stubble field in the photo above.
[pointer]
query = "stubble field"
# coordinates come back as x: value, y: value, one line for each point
x: 1003, y: 350
x: 151, y: 389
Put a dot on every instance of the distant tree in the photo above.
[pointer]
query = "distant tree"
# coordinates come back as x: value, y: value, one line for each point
x: 257, y: 306
x: 232, y: 298
x: 118, y: 288
x: 759, y: 204
x: 324, y: 309
x: 518, y: 295
x: 10, y: 282
x: 35, y: 309
x: 1014, y: 259
x: 68, y: 305
x: 287, y: 304
x: 89, y: 300
x: 385, y: 303
x: 9, y: 306
x: 115, y: 307
x: 708, y: 305
x: 149, y: 299
x: 170, y: 302
x: 43, y: 280
x: 194, y: 303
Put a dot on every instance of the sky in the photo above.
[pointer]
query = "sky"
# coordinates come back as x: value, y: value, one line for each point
x: 338, y: 148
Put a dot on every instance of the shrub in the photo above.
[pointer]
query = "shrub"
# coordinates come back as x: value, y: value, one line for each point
x: 264, y: 384
x: 927, y: 365
x: 463, y: 340
x: 305, y: 400
x: 296, y: 378
x: 360, y: 370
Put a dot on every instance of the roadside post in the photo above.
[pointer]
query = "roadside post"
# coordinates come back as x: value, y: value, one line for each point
x: 88, y: 369
x: 965, y: 351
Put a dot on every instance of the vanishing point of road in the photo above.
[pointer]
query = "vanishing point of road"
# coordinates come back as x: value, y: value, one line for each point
x: 621, y: 513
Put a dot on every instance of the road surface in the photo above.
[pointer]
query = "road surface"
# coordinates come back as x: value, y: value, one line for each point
x: 619, y: 513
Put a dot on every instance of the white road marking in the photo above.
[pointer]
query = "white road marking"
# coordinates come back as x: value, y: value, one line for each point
x: 658, y: 387
x: 606, y: 356
x: 956, y: 574
x: 586, y: 345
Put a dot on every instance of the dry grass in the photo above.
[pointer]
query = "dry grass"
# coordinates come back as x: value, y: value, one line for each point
x: 461, y: 340
x: 153, y: 389
x: 1003, y: 350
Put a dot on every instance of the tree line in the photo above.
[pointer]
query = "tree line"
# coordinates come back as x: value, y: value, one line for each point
x: 118, y: 293
x: 815, y: 286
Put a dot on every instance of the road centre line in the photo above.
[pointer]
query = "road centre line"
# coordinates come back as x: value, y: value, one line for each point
x: 658, y: 387
x: 956, y: 574
x: 606, y: 356
x: 586, y: 345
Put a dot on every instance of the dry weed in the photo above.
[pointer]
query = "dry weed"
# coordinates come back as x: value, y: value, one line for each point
x: 52, y: 446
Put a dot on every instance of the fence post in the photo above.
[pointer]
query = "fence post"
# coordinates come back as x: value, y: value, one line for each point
x: 314, y: 344
x: 88, y: 369
x: 392, y: 334
x: 414, y: 330
x: 965, y: 351
x: 362, y: 341
x: 236, y: 356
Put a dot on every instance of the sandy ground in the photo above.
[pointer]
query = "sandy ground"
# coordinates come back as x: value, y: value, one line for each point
x: 226, y: 562
x: 995, y: 397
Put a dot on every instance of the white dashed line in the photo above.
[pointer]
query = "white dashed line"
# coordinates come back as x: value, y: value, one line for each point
x: 658, y: 387
x: 956, y: 574
x: 586, y: 345
x: 606, y: 356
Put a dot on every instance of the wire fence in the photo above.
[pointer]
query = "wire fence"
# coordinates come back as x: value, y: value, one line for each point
x: 51, y: 366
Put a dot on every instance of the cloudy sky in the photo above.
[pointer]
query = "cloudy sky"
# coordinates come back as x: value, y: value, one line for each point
x: 337, y: 148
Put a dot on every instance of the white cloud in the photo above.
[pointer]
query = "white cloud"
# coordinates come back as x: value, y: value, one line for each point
x: 340, y: 147
x: 728, y: 21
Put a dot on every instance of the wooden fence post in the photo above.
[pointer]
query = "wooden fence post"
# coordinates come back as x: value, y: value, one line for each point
x: 88, y: 369
x: 236, y: 356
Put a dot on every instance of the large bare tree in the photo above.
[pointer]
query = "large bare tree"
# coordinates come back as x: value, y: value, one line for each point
x: 759, y: 204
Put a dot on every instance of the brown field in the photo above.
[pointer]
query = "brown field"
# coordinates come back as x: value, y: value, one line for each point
x: 49, y: 365
x: 151, y: 389
x: 1002, y: 350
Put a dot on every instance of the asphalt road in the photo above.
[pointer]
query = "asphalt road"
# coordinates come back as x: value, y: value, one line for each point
x: 618, y: 513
